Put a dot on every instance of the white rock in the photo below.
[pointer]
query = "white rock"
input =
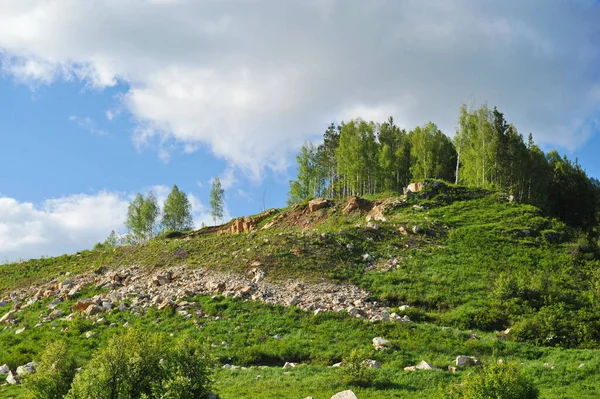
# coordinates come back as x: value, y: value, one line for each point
x: 464, y: 361
x: 424, y: 366
x: 379, y: 343
x: 344, y: 395
x: 4, y: 369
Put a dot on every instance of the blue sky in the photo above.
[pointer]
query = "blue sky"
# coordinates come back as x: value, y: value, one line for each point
x: 100, y: 100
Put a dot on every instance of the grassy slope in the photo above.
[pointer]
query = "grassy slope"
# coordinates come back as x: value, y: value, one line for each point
x: 473, y: 268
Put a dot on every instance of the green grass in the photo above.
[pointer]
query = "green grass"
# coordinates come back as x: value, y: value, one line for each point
x: 478, y: 265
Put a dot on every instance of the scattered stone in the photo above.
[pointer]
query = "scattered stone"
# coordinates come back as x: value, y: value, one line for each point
x: 12, y: 379
x: 549, y: 365
x: 89, y: 334
x: 340, y: 364
x: 466, y: 361
x: 288, y: 365
x: 380, y: 343
x: 410, y: 368
x: 20, y: 330
x: 55, y: 314
x: 367, y: 258
x: 371, y: 364
x: 28, y: 368
x: 93, y: 310
x: 424, y: 366
x: 4, y: 369
x: 344, y: 395
x: 8, y: 317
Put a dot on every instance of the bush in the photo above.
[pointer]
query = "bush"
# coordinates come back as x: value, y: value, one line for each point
x: 354, y: 371
x: 498, y: 381
x: 139, y: 365
x: 54, y: 373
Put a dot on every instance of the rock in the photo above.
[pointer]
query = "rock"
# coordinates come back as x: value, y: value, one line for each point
x: 380, y: 343
x: 55, y: 314
x: 89, y: 334
x: 82, y: 304
x: 340, y: 364
x: 12, y: 379
x: 367, y: 258
x: 465, y: 361
x: 424, y: 366
x: 373, y: 226
x: 410, y: 368
x: 414, y: 187
x: 288, y: 365
x: 4, y: 369
x: 357, y: 203
x: 451, y: 369
x: 416, y: 229
x: 402, y: 230
x: 344, y: 395
x: 28, y: 368
x: 20, y: 330
x: 92, y: 310
x: 549, y: 365
x: 317, y: 203
x: 371, y: 364
x: 8, y: 317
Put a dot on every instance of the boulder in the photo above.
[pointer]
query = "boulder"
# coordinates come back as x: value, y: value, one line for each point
x: 12, y: 379
x: 28, y: 368
x: 344, y: 395
x: 424, y: 366
x: 317, y: 203
x: 465, y: 361
x: 4, y: 369
x: 357, y: 203
x: 380, y: 343
x: 371, y: 364
x: 93, y: 309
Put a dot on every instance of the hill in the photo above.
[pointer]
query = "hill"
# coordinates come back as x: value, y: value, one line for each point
x: 441, y: 272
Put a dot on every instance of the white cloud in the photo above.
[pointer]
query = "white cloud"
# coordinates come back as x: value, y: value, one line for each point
x: 72, y: 223
x: 252, y: 80
x: 88, y: 124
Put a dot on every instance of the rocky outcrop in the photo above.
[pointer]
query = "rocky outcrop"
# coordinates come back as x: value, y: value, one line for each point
x: 318, y: 203
x: 357, y: 204
x: 246, y: 224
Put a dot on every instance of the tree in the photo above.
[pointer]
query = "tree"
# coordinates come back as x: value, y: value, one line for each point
x: 54, y: 373
x: 216, y: 200
x: 141, y: 218
x: 177, y: 212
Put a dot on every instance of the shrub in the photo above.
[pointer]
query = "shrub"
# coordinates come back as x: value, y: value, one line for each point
x: 498, y: 381
x: 354, y: 371
x: 54, y: 373
x: 139, y: 365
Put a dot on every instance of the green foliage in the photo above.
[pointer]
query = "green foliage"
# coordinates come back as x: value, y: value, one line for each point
x: 142, y: 215
x: 217, y: 194
x: 354, y: 370
x: 54, y: 373
x: 177, y: 212
x: 498, y: 381
x: 142, y: 365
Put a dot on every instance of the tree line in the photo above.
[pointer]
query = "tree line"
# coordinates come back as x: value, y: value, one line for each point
x: 361, y: 158
x: 145, y: 219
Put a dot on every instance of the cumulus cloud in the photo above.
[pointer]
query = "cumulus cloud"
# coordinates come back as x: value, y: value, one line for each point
x: 71, y: 223
x: 252, y: 80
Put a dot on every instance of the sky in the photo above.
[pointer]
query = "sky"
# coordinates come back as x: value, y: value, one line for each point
x: 101, y: 100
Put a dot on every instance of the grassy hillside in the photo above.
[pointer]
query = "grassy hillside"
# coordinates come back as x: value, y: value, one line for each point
x: 469, y: 264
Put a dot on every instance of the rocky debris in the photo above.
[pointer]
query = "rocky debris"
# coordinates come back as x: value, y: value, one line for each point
x: 28, y: 368
x: 380, y: 343
x: 357, y: 203
x: 318, y: 203
x: 135, y: 289
x: 466, y: 361
x: 12, y: 379
x: 371, y: 364
x: 4, y: 369
x: 345, y: 395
